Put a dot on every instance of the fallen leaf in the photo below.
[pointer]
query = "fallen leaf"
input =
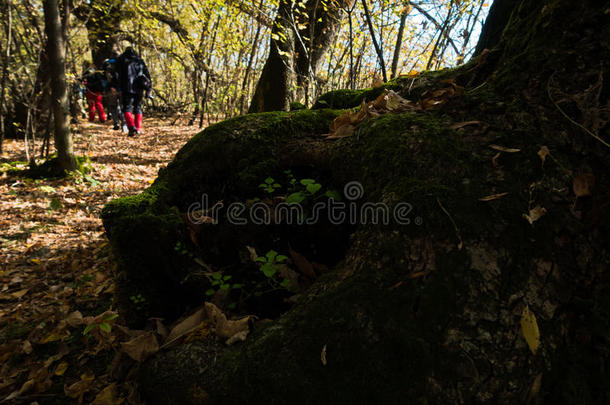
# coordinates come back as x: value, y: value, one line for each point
x: 108, y: 396
x: 504, y: 149
x: 20, y: 293
x: 161, y: 329
x: 583, y: 185
x: 534, y: 389
x: 252, y: 252
x: 238, y: 337
x: 226, y: 328
x: 535, y: 214
x: 79, y: 388
x: 75, y: 319
x: 61, y: 368
x: 141, y: 347
x: 493, y: 197
x: 529, y: 328
x: 543, y: 153
x: 186, y: 325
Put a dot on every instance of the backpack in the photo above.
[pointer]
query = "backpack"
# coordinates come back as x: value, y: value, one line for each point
x: 95, y: 81
x: 140, y: 81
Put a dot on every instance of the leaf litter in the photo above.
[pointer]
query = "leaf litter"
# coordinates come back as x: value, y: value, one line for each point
x: 56, y: 273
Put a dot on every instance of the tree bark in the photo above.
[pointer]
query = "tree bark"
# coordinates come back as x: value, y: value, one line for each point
x: 56, y: 51
x: 8, y: 24
x: 277, y: 78
x: 293, y: 60
x: 397, y: 48
x: 496, y: 21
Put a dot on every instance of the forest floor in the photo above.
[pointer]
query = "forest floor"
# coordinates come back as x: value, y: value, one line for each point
x: 59, y: 335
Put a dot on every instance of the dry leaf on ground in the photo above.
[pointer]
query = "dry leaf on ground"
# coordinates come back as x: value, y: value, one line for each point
x: 535, y: 214
x: 141, y: 347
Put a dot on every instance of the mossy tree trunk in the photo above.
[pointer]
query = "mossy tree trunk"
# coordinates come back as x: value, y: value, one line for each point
x: 428, y: 312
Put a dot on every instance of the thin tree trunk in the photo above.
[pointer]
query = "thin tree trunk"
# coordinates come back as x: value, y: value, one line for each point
x: 204, y: 98
x: 56, y: 51
x: 401, y: 31
x: 367, y: 14
x: 351, y: 49
x: 7, y: 56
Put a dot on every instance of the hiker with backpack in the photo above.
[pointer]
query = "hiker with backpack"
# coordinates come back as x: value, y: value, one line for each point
x: 134, y: 80
x: 112, y: 97
x: 95, y: 84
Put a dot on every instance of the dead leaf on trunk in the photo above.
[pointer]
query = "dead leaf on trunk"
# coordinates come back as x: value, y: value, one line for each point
x: 226, y: 328
x: 543, y: 153
x: 529, y: 328
x: 534, y: 389
x: 583, y: 185
x: 185, y: 326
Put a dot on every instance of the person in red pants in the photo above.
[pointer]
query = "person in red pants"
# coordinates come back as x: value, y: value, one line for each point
x: 134, y: 79
x: 95, y: 84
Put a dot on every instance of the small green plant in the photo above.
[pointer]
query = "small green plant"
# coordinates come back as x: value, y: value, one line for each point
x: 103, y: 324
x: 221, y: 283
x: 270, y: 267
x: 55, y: 204
x: 180, y: 248
x: 311, y: 187
x: 270, y: 262
x: 270, y: 185
x: 82, y: 176
x: 139, y: 301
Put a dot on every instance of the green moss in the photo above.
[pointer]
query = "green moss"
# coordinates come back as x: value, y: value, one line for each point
x: 294, y: 106
x: 408, y: 87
